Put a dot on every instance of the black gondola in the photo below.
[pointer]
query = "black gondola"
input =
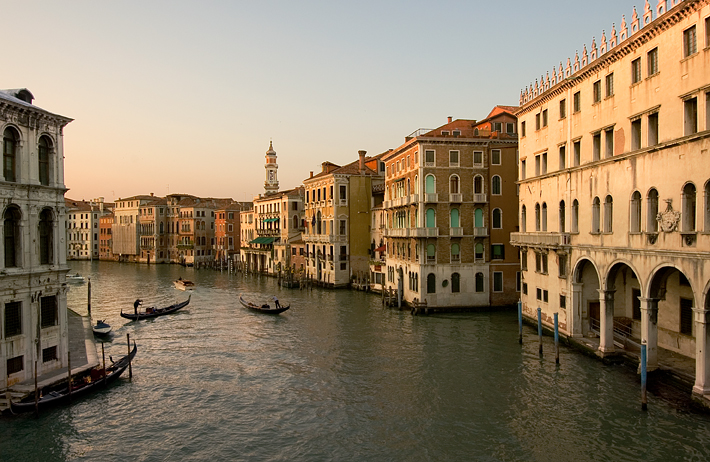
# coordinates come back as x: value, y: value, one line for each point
x: 265, y: 308
x: 92, y: 381
x: 153, y: 312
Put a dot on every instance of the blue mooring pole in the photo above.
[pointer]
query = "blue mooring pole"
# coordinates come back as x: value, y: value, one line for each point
x: 557, y: 340
x: 644, y: 403
x: 539, y: 328
x: 520, y: 322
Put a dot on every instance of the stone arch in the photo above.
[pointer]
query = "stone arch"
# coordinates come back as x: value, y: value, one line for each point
x: 585, y: 311
x: 624, y: 289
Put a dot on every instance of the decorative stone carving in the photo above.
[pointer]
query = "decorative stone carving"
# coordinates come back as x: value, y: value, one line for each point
x: 668, y: 220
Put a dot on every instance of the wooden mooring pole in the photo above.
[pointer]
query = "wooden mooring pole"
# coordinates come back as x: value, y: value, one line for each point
x: 557, y: 340
x: 130, y: 367
x: 520, y: 322
x: 644, y: 402
x: 69, y: 373
x: 539, y: 328
x: 89, y: 298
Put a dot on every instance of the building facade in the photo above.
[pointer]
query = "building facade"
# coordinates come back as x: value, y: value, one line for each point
x: 33, y: 303
x: 450, y: 206
x: 125, y: 230
x: 615, y: 188
x: 83, y: 219
x: 105, y: 239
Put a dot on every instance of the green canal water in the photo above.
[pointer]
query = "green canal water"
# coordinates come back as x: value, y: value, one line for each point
x: 338, y: 377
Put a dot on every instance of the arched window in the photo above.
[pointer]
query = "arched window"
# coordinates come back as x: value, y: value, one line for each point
x: 596, y: 229
x: 409, y: 191
x: 652, y: 212
x: 318, y: 224
x: 523, y: 219
x: 431, y: 218
x: 431, y: 283
x: 455, y: 283
x: 497, y: 219
x: 162, y: 227
x: 478, y: 252
x: 45, y: 237
x: 455, y: 252
x: 478, y: 218
x: 561, y: 220
x: 537, y: 217
x: 416, y: 184
x: 455, y: 222
x: 295, y: 221
x: 635, y: 213
x: 430, y: 253
x: 9, y: 154
x: 544, y: 216
x: 43, y: 155
x: 12, y: 236
x: 496, y: 185
x: 478, y: 184
x: 608, y: 214
x: 454, y: 184
x: 430, y: 184
x: 416, y: 218
x: 688, y: 213
x: 479, y: 282
x: 575, y: 216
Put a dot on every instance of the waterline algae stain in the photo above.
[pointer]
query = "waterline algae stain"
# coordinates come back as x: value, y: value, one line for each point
x: 337, y: 377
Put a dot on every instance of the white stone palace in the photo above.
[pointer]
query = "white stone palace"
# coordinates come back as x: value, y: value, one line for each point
x: 614, y: 181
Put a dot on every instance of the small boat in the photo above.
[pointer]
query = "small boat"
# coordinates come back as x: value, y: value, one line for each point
x: 79, y: 387
x: 184, y: 284
x: 75, y: 278
x: 265, y: 308
x: 101, y: 328
x: 153, y: 312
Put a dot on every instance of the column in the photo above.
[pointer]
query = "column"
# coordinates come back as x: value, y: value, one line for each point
x: 55, y: 240
x: 649, y: 331
x: 606, y: 321
x: 702, y: 356
x: 574, y: 318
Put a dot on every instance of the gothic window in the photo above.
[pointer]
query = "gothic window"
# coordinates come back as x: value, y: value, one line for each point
x: 44, y: 149
x: 544, y: 216
x: 9, y: 160
x: 689, y: 210
x: 523, y: 219
x: 45, y: 237
x: 608, y: 214
x: 561, y: 220
x: 12, y: 236
x: 595, y: 216
x: 575, y: 217
x: 537, y: 217
x: 635, y: 212
x: 652, y: 212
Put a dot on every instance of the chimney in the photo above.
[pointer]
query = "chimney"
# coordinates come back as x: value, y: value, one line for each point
x: 450, y: 119
x: 362, y: 161
x: 311, y: 175
x: 151, y: 194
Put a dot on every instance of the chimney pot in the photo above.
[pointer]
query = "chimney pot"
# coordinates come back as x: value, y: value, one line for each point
x: 450, y: 119
x: 311, y: 175
x: 362, y: 161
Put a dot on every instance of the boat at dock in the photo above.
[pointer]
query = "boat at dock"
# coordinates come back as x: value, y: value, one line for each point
x: 265, y: 308
x: 75, y: 278
x: 101, y: 328
x: 153, y: 312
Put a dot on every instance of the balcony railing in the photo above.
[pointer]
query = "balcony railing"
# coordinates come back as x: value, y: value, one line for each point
x: 456, y: 232
x: 545, y: 239
x: 456, y: 197
x: 397, y: 232
x: 480, y: 198
x: 432, y: 197
x: 480, y: 231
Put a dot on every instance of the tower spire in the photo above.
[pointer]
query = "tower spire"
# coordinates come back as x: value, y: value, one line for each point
x: 271, y: 185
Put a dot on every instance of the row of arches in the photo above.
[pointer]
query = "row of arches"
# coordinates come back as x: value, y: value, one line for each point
x: 402, y: 218
x: 403, y: 188
x: 43, y: 234
x: 12, y: 143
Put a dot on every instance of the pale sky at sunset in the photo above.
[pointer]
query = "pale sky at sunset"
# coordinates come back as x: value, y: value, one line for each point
x: 184, y: 96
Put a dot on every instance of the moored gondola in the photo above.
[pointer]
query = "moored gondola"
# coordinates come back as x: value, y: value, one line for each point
x: 153, y: 312
x: 265, y: 308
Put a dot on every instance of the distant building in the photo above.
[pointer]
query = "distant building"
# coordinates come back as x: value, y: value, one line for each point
x: 125, y: 229
x: 450, y: 206
x: 33, y: 303
x: 83, y: 228
x: 615, y: 188
x: 226, y: 232
x: 105, y: 237
x: 152, y: 231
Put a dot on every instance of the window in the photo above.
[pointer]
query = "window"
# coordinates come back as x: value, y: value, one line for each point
x: 577, y: 102
x: 523, y: 219
x: 563, y: 109
x: 689, y: 210
x: 431, y: 254
x: 563, y: 302
x: 636, y: 70
x: 686, y: 316
x: 429, y: 158
x: 478, y: 184
x: 538, y: 294
x: 478, y: 252
x: 45, y: 237
x: 635, y: 211
x: 497, y: 281
x: 562, y: 265
x: 525, y: 288
x: 430, y: 218
x: 537, y: 165
x: 544, y: 216
x: 497, y: 251
x: 690, y: 46
x: 595, y: 216
x: 609, y: 142
x: 343, y: 192
x: 577, y: 147
x: 12, y: 237
x: 15, y: 365
x: 496, y: 185
x: 653, y: 129
x: 50, y: 313
x: 596, y: 146
x: 707, y: 207
x: 13, y: 319
x: 453, y: 158
x: 537, y: 121
x: 652, y: 60
x: 636, y: 134
x: 495, y: 157
x: 597, y: 87
x: 430, y: 184
x: 343, y: 229
x: 455, y: 218
x: 456, y: 133
x: 497, y: 219
x: 43, y: 158
x: 509, y: 128
x: 477, y: 158
x: 691, y: 116
x: 608, y: 214
x: 455, y: 283
x: 455, y: 253
x: 518, y: 280
x: 431, y: 283
x: 563, y: 156
x: 707, y: 32
x: 537, y: 217
x: 479, y: 283
x: 652, y: 212
x: 524, y: 260
x: 454, y: 184
x: 522, y: 129
x: 49, y: 354
x: 522, y: 169
x: 562, y: 217
x: 9, y: 160
x: 610, y: 85
x: 544, y: 118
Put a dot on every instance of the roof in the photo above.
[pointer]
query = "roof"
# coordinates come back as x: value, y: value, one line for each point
x: 352, y: 168
x: 15, y: 96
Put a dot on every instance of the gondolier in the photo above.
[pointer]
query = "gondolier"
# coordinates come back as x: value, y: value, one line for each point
x: 276, y: 302
x: 135, y: 306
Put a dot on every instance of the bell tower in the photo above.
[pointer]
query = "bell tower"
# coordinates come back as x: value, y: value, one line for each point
x: 271, y: 185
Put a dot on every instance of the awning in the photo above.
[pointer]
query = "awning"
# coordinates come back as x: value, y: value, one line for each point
x: 263, y: 240
x: 271, y: 220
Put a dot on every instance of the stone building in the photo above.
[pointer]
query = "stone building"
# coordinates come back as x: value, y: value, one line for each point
x: 125, y: 230
x: 105, y: 237
x: 450, y: 206
x: 152, y: 231
x: 615, y: 187
x: 83, y: 219
x: 33, y: 303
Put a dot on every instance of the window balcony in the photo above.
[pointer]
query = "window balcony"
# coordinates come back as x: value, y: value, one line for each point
x: 456, y: 198
x: 424, y: 232
x: 480, y: 198
x: 544, y: 239
x: 397, y: 232
x: 481, y: 231
x: 432, y: 197
x: 456, y: 232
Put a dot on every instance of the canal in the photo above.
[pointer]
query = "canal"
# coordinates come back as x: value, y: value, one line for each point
x: 337, y: 377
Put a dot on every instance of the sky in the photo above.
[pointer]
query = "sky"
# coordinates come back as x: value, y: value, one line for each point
x: 181, y: 96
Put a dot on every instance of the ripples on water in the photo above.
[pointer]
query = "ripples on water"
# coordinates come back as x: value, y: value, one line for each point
x: 338, y: 377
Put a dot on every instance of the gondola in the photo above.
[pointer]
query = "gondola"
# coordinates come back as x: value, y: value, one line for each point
x: 101, y: 328
x: 93, y: 381
x: 153, y: 312
x: 265, y: 308
x: 183, y: 284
